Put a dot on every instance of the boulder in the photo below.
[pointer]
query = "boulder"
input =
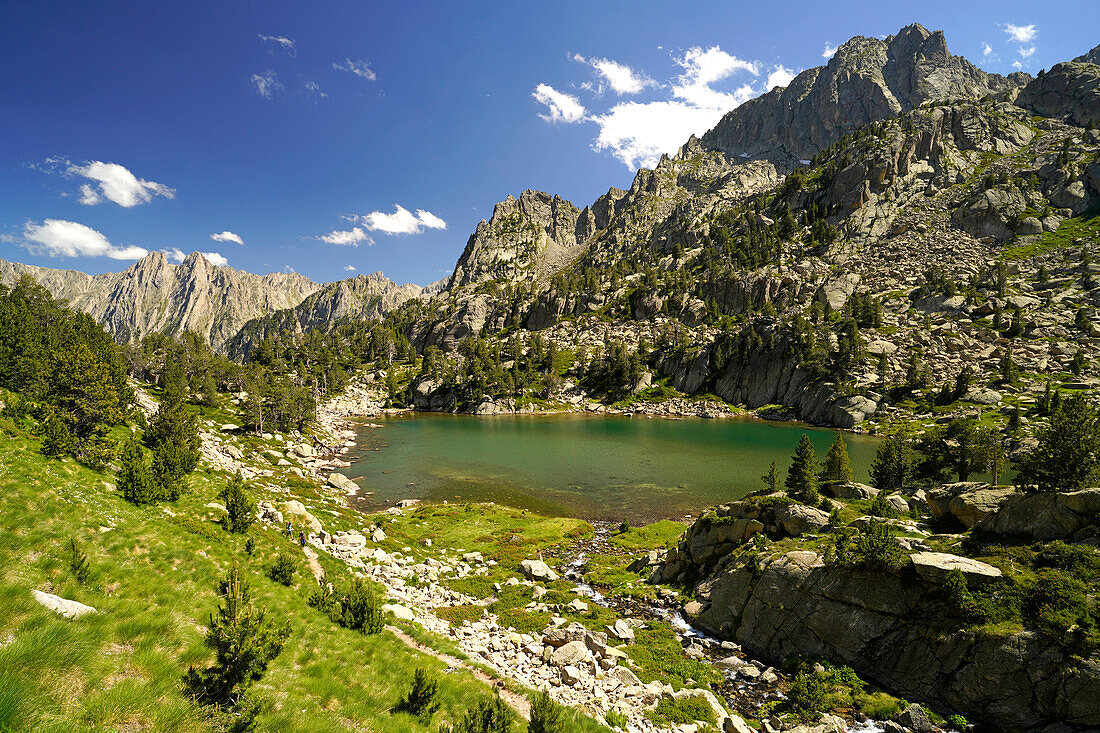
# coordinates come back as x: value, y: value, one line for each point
x: 573, y: 652
x: 915, y: 719
x: 296, y: 512
x: 934, y: 567
x: 969, y: 502
x: 849, y: 490
x: 1043, y: 516
x: 799, y: 519
x: 352, y: 541
x: 570, y: 675
x: 378, y: 535
x: 537, y: 570
x: 398, y: 611
x: 343, y: 483
x: 63, y: 606
x: 621, y: 630
x: 625, y: 676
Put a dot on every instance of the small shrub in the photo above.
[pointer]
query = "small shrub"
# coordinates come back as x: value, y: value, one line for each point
x: 806, y: 695
x: 546, y: 715
x: 421, y: 701
x: 1056, y: 602
x: 685, y: 710
x: 487, y: 716
x: 78, y: 562
x: 361, y: 610
x: 240, y: 512
x: 282, y: 570
x: 958, y: 722
x: 880, y: 507
x: 249, y: 546
x: 616, y: 720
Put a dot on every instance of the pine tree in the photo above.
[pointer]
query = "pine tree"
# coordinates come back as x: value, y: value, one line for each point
x: 837, y: 466
x: 56, y: 439
x: 802, y: 474
x: 239, y: 509
x: 1068, y: 455
x: 134, y: 479
x: 892, y: 464
x: 546, y: 715
x: 244, y: 641
x: 771, y: 478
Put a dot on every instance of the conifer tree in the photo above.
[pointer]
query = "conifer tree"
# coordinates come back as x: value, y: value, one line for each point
x: 837, y: 468
x: 1068, y: 455
x: 771, y: 478
x: 244, y: 641
x: 56, y: 439
x: 892, y: 465
x: 802, y: 475
x: 239, y: 509
x: 135, y: 480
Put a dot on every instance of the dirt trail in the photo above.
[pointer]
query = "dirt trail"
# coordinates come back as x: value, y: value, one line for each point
x: 513, y: 700
x: 314, y: 565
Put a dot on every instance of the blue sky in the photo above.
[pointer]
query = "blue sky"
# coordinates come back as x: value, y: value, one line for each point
x: 300, y: 128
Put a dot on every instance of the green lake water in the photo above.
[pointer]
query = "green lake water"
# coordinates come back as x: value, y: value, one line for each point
x: 591, y: 466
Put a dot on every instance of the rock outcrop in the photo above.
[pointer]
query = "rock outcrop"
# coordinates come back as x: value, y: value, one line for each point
x: 867, y: 80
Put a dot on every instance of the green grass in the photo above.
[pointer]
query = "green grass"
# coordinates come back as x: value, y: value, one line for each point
x: 1087, y: 225
x: 650, y: 537
x: 153, y: 576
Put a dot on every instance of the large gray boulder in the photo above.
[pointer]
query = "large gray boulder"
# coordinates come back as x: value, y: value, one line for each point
x: 537, y: 570
x: 934, y: 567
x: 1045, y: 516
x: 969, y: 502
x: 571, y: 653
x: 297, y: 513
x: 799, y: 519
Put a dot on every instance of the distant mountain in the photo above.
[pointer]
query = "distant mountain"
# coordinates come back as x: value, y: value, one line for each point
x: 1092, y: 57
x: 153, y: 295
x: 358, y: 298
x: 867, y: 80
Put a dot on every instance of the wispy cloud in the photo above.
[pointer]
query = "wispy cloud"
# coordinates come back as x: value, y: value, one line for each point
x: 620, y: 78
x: 313, y: 89
x: 349, y: 268
x: 60, y: 238
x: 561, y: 107
x: 639, y: 132
x: 267, y: 84
x: 1027, y: 52
x: 287, y: 44
x: 359, y: 68
x: 830, y: 51
x: 1021, y: 33
x: 109, y: 182
x: 402, y: 221
x: 227, y: 236
x: 347, y: 237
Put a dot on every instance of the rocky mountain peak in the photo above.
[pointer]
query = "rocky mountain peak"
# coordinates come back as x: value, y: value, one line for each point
x: 1092, y: 57
x: 867, y: 80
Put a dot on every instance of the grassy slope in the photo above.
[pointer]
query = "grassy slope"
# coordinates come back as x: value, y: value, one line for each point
x: 153, y: 582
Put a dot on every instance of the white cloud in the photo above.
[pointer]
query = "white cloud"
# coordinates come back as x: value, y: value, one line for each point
x: 348, y: 238
x: 621, y: 78
x: 359, y: 68
x: 1027, y: 52
x: 215, y: 258
x: 287, y: 43
x: 314, y: 90
x: 430, y: 220
x: 781, y: 76
x: 60, y: 238
x: 227, y: 236
x: 267, y: 84
x: 987, y: 50
x: 830, y: 51
x: 349, y: 268
x: 639, y: 133
x: 1017, y: 65
x: 1021, y: 33
x: 561, y: 107
x: 110, y: 182
x: 175, y: 254
x: 402, y: 221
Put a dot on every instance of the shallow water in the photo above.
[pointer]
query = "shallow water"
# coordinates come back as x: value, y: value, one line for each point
x: 592, y: 466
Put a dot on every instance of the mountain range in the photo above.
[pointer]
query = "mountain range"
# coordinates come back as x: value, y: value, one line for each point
x: 896, y: 173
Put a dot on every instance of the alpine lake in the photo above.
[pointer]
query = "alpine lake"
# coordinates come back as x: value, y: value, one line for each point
x: 601, y: 467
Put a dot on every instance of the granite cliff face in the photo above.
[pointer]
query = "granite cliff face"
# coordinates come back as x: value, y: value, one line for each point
x: 867, y: 80
x: 153, y: 295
